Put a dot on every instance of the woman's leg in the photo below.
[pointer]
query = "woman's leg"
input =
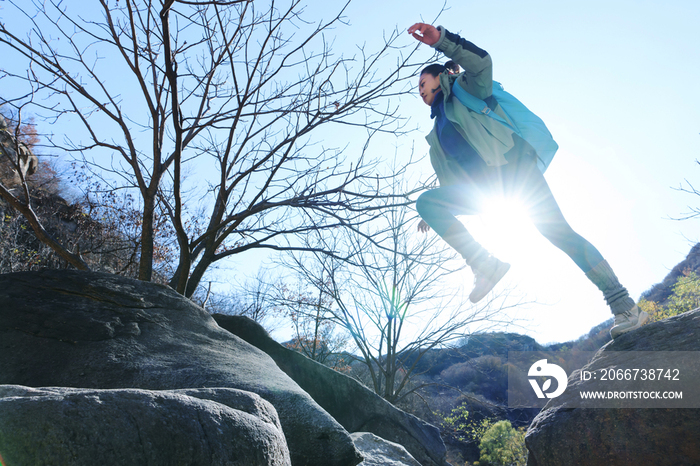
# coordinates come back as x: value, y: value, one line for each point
x: 549, y: 220
x: 438, y: 208
x: 528, y: 184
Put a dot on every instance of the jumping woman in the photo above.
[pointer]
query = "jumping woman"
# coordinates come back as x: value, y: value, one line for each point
x: 476, y: 157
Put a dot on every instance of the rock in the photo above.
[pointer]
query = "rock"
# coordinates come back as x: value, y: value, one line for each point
x: 87, y: 427
x: 27, y: 162
x: 380, y: 452
x: 95, y: 330
x: 350, y: 403
x: 247, y: 402
x: 565, y: 433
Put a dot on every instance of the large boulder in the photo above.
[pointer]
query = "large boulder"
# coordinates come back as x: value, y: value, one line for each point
x: 86, y: 427
x: 566, y: 432
x: 94, y: 330
x: 350, y: 403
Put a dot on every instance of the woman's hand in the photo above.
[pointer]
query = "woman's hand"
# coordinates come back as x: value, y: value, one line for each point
x: 425, y: 33
x: 423, y: 227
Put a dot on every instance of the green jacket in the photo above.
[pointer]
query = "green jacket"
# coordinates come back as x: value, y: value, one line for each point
x: 491, y: 140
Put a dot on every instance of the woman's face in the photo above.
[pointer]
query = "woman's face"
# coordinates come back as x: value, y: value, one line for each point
x: 428, y: 85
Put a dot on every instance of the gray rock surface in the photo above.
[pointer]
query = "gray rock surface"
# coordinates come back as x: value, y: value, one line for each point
x: 94, y: 330
x: 352, y: 404
x: 564, y: 433
x: 380, y: 452
x: 66, y: 426
x: 26, y: 162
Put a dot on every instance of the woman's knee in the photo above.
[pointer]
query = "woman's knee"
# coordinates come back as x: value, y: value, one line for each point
x: 425, y: 203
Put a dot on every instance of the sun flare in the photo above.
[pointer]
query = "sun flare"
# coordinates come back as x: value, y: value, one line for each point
x: 507, y: 226
x: 505, y: 212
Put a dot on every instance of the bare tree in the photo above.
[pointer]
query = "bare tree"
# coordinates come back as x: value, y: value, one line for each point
x: 253, y: 298
x: 688, y: 187
x: 309, y: 308
x: 100, y: 226
x: 234, y: 92
x: 18, y: 161
x: 396, y: 296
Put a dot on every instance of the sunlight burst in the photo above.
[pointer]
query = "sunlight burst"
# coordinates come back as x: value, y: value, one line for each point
x: 505, y: 212
x: 507, y: 227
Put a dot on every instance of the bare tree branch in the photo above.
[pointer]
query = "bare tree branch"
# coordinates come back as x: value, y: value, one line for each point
x: 392, y: 294
x: 241, y: 94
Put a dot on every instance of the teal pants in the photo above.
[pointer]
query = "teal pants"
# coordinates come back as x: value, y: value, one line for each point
x: 520, y: 179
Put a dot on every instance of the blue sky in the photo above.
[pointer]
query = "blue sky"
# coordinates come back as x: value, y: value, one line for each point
x: 616, y: 83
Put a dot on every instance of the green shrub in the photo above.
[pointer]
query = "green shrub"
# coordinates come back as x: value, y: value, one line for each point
x: 463, y: 427
x: 685, y: 297
x: 503, y: 445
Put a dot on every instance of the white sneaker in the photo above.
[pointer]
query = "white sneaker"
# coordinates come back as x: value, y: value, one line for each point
x: 486, y: 276
x: 627, y: 321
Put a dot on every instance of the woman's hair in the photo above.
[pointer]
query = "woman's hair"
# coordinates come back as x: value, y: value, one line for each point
x: 452, y: 67
x: 436, y: 68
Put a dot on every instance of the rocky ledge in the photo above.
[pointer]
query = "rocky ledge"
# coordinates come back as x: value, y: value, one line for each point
x: 627, y: 433
x: 100, y: 369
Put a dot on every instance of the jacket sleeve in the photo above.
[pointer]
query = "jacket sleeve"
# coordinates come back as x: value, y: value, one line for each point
x: 477, y: 78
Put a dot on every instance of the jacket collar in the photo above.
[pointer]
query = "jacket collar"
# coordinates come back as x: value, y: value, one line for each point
x: 435, y: 106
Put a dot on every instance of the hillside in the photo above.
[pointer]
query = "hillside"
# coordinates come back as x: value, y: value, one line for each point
x: 660, y: 292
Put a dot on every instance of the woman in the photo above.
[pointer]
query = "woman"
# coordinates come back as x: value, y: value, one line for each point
x: 475, y: 157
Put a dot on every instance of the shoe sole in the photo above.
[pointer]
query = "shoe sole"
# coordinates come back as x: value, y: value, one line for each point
x: 641, y: 320
x: 495, y: 278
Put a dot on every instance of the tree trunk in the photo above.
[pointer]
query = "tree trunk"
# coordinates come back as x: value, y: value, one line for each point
x: 147, y: 239
x: 206, y: 260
